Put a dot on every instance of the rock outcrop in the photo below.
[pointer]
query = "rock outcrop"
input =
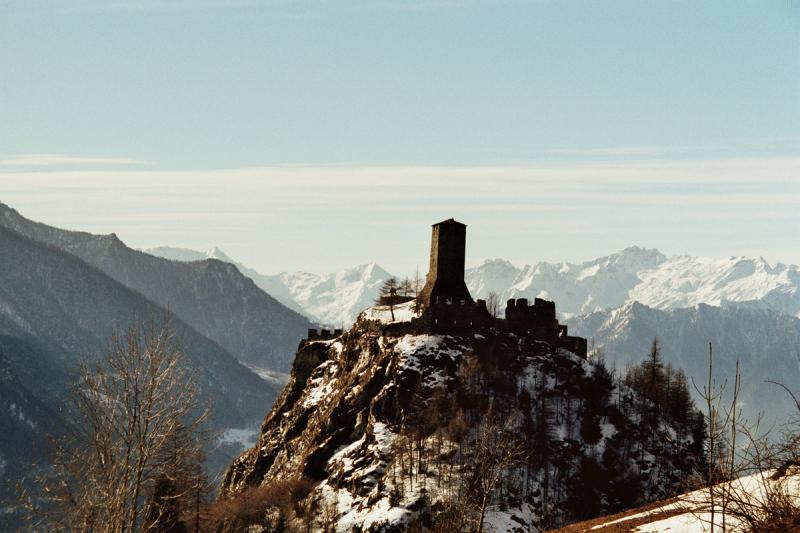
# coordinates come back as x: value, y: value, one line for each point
x: 401, y: 429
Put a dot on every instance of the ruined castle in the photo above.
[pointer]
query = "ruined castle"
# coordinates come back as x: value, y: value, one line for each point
x: 446, y: 306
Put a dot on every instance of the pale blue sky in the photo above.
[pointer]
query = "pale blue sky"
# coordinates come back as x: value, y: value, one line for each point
x: 672, y: 124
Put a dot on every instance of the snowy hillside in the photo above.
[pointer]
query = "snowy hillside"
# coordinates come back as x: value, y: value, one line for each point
x: 646, y: 276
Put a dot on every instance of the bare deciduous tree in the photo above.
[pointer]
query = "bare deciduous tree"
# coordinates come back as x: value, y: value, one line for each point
x: 498, y: 448
x: 132, y: 452
x: 711, y: 395
x: 280, y: 506
x: 723, y: 424
x: 417, y: 284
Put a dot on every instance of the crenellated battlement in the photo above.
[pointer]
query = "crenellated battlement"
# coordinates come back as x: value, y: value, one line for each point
x: 323, y: 334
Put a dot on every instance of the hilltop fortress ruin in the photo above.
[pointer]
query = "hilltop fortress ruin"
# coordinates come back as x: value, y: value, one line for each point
x: 446, y: 306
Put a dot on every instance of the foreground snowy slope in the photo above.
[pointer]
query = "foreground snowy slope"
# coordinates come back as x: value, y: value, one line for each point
x: 691, y: 512
x: 212, y: 296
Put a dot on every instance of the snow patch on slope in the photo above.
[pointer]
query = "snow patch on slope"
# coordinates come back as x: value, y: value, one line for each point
x: 403, y: 312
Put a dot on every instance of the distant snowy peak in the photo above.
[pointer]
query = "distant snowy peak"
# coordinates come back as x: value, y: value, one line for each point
x: 186, y: 254
x: 216, y: 253
x: 633, y: 258
x: 494, y: 275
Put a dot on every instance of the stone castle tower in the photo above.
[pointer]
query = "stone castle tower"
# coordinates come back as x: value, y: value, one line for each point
x: 446, y: 272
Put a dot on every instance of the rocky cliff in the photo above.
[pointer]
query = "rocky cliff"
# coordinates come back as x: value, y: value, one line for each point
x: 448, y: 432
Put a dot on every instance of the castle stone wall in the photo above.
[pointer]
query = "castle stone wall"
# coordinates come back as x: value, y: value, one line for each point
x: 537, y: 320
x: 455, y: 317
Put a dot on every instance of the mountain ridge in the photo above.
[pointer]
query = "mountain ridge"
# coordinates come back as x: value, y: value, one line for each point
x: 764, y: 341
x: 331, y: 299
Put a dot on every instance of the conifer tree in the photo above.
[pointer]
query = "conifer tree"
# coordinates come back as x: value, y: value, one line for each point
x: 388, y: 294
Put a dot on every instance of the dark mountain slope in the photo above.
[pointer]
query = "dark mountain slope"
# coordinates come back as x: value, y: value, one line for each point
x: 211, y: 296
x: 54, y: 308
x: 27, y: 413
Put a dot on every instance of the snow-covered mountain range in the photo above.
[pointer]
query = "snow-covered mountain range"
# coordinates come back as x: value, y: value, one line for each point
x: 634, y: 274
x: 334, y: 299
